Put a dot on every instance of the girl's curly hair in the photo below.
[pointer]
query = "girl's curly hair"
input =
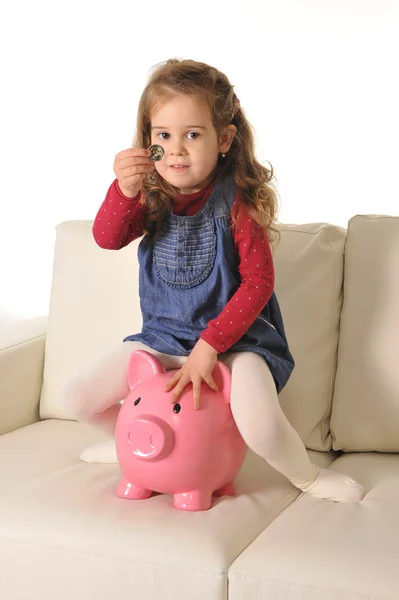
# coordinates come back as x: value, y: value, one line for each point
x: 205, y: 84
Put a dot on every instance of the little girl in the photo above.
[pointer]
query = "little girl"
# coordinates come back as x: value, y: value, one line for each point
x: 206, y: 282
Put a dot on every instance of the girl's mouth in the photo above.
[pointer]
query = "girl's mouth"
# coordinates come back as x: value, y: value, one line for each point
x: 179, y: 168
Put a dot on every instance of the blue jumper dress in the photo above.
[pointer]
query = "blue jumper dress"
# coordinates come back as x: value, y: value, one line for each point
x: 186, y: 279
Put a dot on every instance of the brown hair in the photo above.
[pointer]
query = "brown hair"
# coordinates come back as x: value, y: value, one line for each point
x: 209, y: 85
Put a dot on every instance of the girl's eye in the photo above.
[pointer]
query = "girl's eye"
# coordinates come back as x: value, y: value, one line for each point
x: 193, y: 133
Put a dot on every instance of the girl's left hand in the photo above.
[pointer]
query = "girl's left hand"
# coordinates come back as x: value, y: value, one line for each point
x: 198, y: 366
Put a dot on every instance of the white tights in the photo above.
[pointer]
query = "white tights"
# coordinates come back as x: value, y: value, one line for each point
x: 94, y: 397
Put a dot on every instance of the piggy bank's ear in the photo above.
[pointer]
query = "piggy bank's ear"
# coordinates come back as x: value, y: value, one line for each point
x: 143, y: 365
x: 222, y: 377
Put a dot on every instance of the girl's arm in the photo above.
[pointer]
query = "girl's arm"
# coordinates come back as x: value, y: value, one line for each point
x: 257, y: 283
x: 119, y: 220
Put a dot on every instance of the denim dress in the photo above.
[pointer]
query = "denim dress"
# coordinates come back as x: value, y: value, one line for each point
x: 188, y: 275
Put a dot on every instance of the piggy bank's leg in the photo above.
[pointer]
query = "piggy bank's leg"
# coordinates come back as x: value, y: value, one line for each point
x: 226, y: 490
x: 196, y: 500
x: 128, y: 490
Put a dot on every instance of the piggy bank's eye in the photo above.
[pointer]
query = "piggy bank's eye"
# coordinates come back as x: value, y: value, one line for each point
x: 137, y: 401
x: 177, y: 408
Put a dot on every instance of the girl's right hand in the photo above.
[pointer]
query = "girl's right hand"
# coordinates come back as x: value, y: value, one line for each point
x: 131, y: 166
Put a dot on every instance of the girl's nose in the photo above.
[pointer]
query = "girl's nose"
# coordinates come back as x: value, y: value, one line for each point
x: 177, y: 148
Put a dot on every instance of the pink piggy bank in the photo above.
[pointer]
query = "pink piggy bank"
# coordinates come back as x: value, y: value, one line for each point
x: 175, y: 449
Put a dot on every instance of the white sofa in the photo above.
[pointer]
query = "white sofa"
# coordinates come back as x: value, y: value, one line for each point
x: 65, y: 535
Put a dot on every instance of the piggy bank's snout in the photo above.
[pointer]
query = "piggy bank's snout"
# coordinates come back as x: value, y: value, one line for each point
x: 150, y: 437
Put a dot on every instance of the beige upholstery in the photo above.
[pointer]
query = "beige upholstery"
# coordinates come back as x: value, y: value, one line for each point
x: 95, y: 304
x: 319, y: 550
x: 309, y: 273
x: 66, y: 535
x: 366, y: 403
x: 21, y: 372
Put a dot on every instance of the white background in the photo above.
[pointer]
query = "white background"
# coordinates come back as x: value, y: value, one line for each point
x: 317, y: 79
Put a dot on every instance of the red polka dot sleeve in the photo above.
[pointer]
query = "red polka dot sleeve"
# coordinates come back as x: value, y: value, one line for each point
x: 119, y: 220
x: 257, y: 283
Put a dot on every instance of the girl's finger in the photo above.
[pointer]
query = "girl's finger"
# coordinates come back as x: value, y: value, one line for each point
x: 197, y: 393
x: 172, y: 381
x: 209, y: 380
x: 179, y: 388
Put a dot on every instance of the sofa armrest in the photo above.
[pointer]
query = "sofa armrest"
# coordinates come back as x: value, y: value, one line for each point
x: 22, y: 345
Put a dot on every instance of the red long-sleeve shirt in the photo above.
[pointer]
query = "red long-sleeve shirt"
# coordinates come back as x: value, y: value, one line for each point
x: 119, y: 221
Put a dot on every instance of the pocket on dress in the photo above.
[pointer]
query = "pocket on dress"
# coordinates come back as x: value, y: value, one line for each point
x: 184, y: 254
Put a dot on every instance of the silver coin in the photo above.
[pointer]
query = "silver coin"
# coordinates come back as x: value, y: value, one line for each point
x: 157, y: 152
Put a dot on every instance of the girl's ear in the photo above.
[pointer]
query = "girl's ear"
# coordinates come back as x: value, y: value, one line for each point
x: 227, y: 137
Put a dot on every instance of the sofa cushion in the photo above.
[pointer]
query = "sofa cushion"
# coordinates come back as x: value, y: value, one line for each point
x: 309, y: 273
x: 365, y: 412
x: 65, y: 534
x: 321, y: 550
x: 95, y: 303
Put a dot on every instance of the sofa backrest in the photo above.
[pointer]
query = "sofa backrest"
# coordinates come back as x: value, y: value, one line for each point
x: 365, y: 415
x: 309, y: 277
x: 94, y: 305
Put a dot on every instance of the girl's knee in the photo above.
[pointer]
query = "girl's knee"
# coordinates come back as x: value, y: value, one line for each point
x: 244, y: 362
x: 254, y: 403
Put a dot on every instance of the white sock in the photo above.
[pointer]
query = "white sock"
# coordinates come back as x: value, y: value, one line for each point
x: 335, y: 486
x: 102, y: 452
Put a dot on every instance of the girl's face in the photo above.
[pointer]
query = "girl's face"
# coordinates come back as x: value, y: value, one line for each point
x: 183, y: 127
